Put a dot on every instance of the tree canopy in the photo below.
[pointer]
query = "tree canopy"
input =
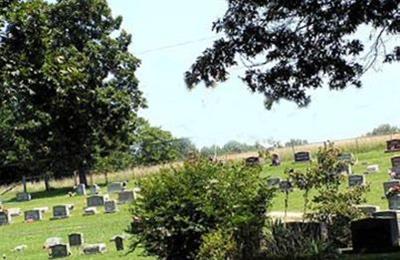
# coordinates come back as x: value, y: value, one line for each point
x: 67, y: 85
x: 291, y: 47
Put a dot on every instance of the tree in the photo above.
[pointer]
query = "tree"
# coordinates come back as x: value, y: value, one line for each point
x: 291, y: 47
x: 154, y: 145
x: 69, y: 80
x: 385, y: 129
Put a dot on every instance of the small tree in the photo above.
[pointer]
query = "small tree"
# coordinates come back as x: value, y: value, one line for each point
x: 181, y: 208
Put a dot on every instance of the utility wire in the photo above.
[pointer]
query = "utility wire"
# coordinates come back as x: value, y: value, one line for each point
x: 172, y: 46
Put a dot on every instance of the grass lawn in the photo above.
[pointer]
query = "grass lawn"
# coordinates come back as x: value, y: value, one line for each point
x: 100, y: 228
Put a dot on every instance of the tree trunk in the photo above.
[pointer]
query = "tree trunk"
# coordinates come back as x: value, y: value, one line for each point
x: 106, y: 176
x: 46, y: 182
x: 82, y: 177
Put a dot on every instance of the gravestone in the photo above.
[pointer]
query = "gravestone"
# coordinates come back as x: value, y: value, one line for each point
x: 81, y: 190
x: 110, y: 206
x: 394, y: 202
x: 346, y: 157
x: 302, y: 157
x: 275, y: 160
x: 393, y: 145
x: 5, y: 218
x: 119, y: 242
x: 375, y: 235
x: 60, y: 251
x: 14, y: 212
x: 61, y: 211
x: 285, y: 186
x: 115, y: 187
x: 395, y: 161
x: 253, y: 161
x: 33, y: 215
x: 23, y: 196
x: 90, y: 211
x: 95, y: 189
x: 390, y: 184
x: 75, y: 239
x: 273, y: 182
x: 368, y: 210
x: 395, y: 173
x: 96, y: 200
x: 51, y: 241
x: 395, y: 214
x: 94, y: 249
x: 357, y: 180
x: 125, y: 197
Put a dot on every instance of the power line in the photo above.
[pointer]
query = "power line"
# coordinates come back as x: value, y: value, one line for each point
x: 172, y: 46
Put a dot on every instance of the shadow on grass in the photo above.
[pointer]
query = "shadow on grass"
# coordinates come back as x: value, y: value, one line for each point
x: 54, y: 192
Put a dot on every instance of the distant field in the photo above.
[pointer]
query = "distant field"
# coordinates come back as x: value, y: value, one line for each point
x: 101, y: 227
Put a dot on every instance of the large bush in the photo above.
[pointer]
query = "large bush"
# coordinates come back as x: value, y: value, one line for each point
x: 201, y: 201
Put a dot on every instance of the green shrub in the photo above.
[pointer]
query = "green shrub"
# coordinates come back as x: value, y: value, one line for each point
x: 218, y: 246
x: 181, y: 208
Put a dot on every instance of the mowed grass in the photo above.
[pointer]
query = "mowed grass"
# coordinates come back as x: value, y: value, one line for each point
x: 102, y: 227
x: 99, y: 228
x: 375, y: 180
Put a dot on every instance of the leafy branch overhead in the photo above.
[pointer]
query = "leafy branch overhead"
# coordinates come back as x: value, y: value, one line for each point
x: 291, y: 47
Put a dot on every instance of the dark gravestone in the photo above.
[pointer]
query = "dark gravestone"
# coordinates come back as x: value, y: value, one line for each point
x: 59, y: 251
x: 5, y: 218
x: 94, y: 249
x: 110, y: 206
x: 275, y: 160
x: 96, y: 201
x: 23, y: 196
x: 33, y: 215
x: 285, y: 186
x: 253, y: 161
x: 126, y: 197
x: 393, y: 145
x: 61, y: 211
x: 75, y: 239
x: 302, y: 157
x: 394, y: 214
x: 394, y: 202
x: 119, y: 242
x: 375, y: 235
x: 368, y: 210
x: 395, y: 161
x: 356, y: 180
x: 390, y: 184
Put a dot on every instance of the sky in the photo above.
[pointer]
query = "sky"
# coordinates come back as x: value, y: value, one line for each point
x: 169, y: 35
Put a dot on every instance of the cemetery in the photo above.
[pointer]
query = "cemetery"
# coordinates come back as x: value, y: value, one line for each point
x: 93, y: 222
